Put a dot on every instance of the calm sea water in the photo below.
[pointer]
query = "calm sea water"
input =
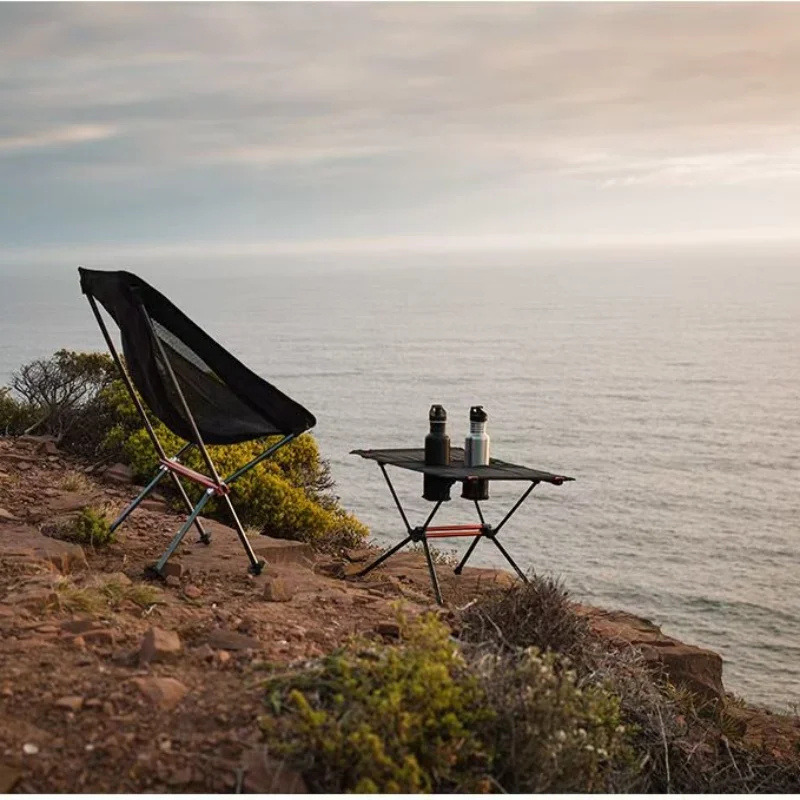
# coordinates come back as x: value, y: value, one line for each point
x: 667, y: 387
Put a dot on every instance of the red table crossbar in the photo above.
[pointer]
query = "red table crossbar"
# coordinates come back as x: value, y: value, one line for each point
x: 446, y: 531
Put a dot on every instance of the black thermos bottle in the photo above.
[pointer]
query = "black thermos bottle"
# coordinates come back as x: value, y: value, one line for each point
x: 437, y: 453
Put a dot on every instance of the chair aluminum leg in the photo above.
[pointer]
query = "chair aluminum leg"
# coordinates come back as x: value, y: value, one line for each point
x: 255, y: 565
x: 173, y: 545
x: 126, y: 379
x: 162, y: 471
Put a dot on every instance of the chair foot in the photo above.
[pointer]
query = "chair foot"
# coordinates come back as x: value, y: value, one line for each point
x: 255, y: 569
x: 205, y: 538
x: 151, y: 572
x: 458, y: 570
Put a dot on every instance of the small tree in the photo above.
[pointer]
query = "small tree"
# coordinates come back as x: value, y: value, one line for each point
x: 59, y: 388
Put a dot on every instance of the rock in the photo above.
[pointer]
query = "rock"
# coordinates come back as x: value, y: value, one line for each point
x: 30, y: 749
x: 8, y: 778
x: 223, y: 656
x: 192, y: 592
x: 172, y: 582
x: 37, y: 439
x: 391, y: 630
x: 694, y: 668
x: 229, y: 640
x: 6, y: 516
x: 100, y: 636
x: 46, y: 630
x: 118, y: 473
x: 175, y: 569
x: 154, y: 504
x: 49, y: 448
x: 68, y: 560
x: 19, y: 538
x: 23, y: 466
x: 351, y: 570
x: 80, y: 625
x: 36, y: 599
x: 166, y: 693
x: 180, y: 777
x: 277, y: 551
x: 69, y: 502
x: 159, y: 645
x: 265, y: 775
x: 277, y: 591
x: 205, y: 651
x: 71, y: 703
x: 363, y: 554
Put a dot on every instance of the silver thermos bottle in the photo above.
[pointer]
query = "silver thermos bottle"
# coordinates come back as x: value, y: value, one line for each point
x: 476, y: 453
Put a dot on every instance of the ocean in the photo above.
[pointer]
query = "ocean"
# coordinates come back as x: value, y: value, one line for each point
x: 666, y: 385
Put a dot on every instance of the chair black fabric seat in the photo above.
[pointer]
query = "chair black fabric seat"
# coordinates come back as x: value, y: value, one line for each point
x: 229, y: 402
x: 196, y: 388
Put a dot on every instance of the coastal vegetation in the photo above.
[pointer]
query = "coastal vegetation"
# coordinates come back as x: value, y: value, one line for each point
x: 78, y: 398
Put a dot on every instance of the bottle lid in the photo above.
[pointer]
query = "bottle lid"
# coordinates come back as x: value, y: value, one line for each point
x: 477, y: 414
x: 437, y: 414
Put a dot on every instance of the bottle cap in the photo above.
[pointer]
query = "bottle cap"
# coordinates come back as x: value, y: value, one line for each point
x: 437, y: 414
x: 477, y: 414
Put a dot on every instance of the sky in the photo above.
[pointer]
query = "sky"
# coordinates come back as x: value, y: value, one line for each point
x: 333, y: 128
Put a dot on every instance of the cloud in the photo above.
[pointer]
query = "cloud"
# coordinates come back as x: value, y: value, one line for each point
x: 388, y: 118
x: 55, y: 137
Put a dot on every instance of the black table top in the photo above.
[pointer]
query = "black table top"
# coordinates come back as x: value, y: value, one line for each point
x: 496, y: 470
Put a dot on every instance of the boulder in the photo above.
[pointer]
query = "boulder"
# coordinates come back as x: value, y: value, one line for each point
x: 391, y: 630
x: 159, y: 645
x: 230, y: 640
x: 276, y: 590
x: 118, y: 473
x: 166, y: 693
x: 282, y: 551
x: 18, y: 538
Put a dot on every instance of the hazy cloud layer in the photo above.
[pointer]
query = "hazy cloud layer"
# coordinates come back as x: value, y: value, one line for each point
x: 169, y: 123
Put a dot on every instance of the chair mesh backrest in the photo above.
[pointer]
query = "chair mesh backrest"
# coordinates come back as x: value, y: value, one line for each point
x: 229, y: 403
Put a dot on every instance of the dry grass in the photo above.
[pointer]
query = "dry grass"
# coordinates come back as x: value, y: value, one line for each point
x: 76, y: 482
x: 104, y: 595
x: 678, y: 746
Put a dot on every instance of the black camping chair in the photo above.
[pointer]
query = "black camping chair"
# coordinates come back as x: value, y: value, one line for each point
x: 195, y: 387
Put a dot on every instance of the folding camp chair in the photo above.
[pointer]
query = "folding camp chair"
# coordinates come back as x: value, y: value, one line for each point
x: 195, y: 387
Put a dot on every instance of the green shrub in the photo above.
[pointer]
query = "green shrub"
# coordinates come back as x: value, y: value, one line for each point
x: 74, y: 396
x: 15, y: 416
x: 423, y: 715
x: 549, y: 735
x: 90, y: 527
x: 383, y: 718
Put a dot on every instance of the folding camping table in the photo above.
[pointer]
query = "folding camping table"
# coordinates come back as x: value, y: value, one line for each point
x: 496, y: 470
